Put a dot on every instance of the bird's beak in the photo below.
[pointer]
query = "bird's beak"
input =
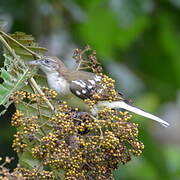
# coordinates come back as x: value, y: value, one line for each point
x: 35, y: 62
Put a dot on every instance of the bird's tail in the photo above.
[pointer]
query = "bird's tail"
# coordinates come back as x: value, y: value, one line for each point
x: 124, y: 105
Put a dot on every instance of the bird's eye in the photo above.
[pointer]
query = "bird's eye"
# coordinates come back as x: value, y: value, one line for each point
x: 46, y: 61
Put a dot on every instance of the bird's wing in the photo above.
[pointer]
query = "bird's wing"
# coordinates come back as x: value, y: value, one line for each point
x: 85, y: 88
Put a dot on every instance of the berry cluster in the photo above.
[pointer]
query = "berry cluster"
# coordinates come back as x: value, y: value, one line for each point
x: 22, y: 173
x: 35, y: 174
x: 87, y: 59
x: 108, y: 92
x: 83, y: 146
x: 21, y: 96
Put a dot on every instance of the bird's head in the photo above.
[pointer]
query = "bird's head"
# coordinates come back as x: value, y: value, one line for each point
x: 48, y: 64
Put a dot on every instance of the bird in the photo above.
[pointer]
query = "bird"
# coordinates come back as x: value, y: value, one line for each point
x: 82, y: 85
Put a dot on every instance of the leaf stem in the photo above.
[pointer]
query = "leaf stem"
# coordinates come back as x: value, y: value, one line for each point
x: 22, y: 46
x: 8, y: 47
x: 35, y: 85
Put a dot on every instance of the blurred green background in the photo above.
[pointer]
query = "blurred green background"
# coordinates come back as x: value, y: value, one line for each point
x: 138, y: 43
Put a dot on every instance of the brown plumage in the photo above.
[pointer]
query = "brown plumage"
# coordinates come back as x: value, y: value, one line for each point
x: 83, y: 85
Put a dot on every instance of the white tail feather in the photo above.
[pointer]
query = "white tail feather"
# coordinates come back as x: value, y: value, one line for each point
x: 124, y: 105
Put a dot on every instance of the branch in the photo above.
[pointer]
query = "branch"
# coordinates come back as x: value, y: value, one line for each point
x: 8, y: 47
x: 35, y: 85
x: 22, y: 46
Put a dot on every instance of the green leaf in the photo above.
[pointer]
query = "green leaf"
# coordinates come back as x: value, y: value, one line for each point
x: 13, y: 80
x: 26, y: 160
x: 27, y: 41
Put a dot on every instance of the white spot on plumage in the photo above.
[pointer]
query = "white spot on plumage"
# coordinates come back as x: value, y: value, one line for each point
x: 90, y: 87
x: 78, y: 93
x: 92, y: 82
x: 97, y: 78
x: 84, y: 91
x: 82, y: 84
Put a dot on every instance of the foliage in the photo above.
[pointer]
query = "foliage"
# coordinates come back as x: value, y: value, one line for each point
x: 142, y: 36
x: 14, y: 79
x: 51, y: 135
x: 76, y: 142
x: 15, y: 75
x: 15, y: 72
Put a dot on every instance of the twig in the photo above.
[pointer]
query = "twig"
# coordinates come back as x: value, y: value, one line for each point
x: 38, y: 168
x: 101, y: 132
x: 35, y: 85
x: 38, y: 109
x: 8, y: 47
x: 22, y: 46
x: 81, y: 59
